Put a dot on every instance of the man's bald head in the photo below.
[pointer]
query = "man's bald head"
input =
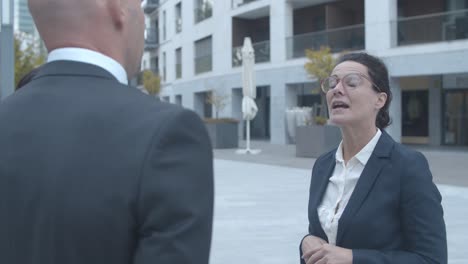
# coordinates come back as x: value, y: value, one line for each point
x: 105, y: 26
x: 65, y: 20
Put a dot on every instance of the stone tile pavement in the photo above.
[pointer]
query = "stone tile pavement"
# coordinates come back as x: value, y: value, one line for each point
x: 261, y: 204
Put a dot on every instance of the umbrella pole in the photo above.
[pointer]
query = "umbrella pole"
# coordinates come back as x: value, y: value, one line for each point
x: 248, y: 136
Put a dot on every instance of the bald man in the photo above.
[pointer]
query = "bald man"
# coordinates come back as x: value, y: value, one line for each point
x: 92, y: 171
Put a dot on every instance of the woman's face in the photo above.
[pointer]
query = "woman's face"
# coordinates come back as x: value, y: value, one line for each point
x: 353, y: 101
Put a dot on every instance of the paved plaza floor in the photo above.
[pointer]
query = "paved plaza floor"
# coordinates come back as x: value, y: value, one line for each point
x: 261, y: 211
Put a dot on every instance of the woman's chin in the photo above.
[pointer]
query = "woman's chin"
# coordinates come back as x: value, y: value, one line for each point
x: 338, y: 120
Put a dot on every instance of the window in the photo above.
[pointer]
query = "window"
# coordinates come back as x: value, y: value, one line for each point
x: 178, y: 64
x: 154, y: 65
x: 203, y: 10
x: 164, y: 67
x: 178, y: 17
x: 203, y: 55
x: 164, y: 25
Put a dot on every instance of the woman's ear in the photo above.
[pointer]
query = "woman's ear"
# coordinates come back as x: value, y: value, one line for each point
x: 381, y: 100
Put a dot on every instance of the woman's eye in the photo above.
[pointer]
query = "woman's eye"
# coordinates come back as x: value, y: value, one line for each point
x: 352, y: 82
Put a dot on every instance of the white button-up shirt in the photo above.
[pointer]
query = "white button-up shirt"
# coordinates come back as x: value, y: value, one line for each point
x: 91, y: 57
x: 341, y: 185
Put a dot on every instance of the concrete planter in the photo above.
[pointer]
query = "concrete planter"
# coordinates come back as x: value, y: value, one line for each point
x: 314, y: 140
x: 223, y: 133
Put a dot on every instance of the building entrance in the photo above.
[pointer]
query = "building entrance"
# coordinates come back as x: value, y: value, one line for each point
x: 455, y: 131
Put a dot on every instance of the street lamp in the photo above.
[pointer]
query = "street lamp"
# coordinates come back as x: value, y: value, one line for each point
x: 7, y: 49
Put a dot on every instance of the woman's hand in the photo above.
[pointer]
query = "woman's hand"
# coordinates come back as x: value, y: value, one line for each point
x: 329, y: 254
x: 309, y: 244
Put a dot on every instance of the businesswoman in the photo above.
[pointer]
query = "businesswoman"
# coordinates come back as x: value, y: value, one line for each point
x: 372, y: 200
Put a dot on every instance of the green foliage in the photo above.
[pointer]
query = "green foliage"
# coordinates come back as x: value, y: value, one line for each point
x: 218, y: 100
x: 320, y: 65
x: 151, y: 82
x: 320, y: 120
x: 25, y: 59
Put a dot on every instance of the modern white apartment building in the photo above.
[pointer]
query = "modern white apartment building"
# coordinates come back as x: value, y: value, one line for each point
x: 23, y: 21
x: 424, y: 44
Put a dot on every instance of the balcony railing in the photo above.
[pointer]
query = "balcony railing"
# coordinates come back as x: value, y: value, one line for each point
x: 150, y: 6
x: 261, y: 49
x: 238, y: 3
x: 203, y: 64
x: 433, y: 27
x: 203, y: 12
x: 151, y: 39
x: 338, y: 39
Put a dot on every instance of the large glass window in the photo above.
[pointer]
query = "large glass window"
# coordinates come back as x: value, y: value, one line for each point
x: 415, y: 115
x: 203, y: 10
x: 164, y: 66
x: 456, y: 118
x: 178, y: 17
x: 203, y: 55
x: 164, y: 25
x: 178, y: 64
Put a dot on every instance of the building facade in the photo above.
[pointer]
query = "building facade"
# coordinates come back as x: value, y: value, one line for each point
x: 425, y: 47
x: 23, y: 21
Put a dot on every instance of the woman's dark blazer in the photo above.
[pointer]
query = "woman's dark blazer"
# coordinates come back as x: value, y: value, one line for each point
x: 394, y: 214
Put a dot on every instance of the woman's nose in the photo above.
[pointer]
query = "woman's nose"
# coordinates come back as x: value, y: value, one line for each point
x: 339, y: 88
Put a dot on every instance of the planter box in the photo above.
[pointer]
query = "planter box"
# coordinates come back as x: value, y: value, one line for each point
x: 314, y: 140
x: 223, y: 134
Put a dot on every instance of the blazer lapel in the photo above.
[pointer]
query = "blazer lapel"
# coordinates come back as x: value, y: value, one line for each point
x: 320, y: 177
x: 372, y: 170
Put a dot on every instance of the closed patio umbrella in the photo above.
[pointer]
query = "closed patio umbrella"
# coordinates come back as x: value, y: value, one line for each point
x: 249, y: 91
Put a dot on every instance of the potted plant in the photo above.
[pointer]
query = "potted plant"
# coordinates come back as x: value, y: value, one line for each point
x: 319, y: 136
x: 223, y: 132
x: 151, y: 82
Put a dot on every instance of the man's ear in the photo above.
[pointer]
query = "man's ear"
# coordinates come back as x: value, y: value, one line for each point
x: 117, y: 11
x: 381, y: 100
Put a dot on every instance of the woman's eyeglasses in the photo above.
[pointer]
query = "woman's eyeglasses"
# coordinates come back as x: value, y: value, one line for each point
x: 349, y: 81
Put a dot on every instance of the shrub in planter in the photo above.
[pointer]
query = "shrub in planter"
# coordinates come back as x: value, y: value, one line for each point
x: 223, y: 132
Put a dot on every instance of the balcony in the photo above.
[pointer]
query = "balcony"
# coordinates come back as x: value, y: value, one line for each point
x: 435, y: 27
x: 203, y: 12
x: 203, y: 64
x: 238, y: 3
x: 150, y: 6
x: 338, y: 39
x: 261, y: 50
x: 151, y: 39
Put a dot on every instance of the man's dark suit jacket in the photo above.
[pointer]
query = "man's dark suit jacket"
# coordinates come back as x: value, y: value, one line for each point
x: 96, y: 172
x: 394, y: 214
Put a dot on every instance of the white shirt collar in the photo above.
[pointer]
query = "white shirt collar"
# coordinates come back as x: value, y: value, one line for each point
x: 364, y: 155
x: 91, y: 57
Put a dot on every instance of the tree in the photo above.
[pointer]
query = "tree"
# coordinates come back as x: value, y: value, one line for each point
x: 320, y: 66
x: 151, y: 82
x: 218, y: 100
x: 26, y: 58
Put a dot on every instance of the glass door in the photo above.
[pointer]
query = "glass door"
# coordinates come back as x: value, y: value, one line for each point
x: 456, y: 118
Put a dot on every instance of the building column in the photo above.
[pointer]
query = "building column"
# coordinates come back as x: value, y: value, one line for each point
x: 394, y: 130
x: 380, y: 27
x: 7, y: 50
x: 278, y: 113
x: 188, y: 101
x: 281, y: 27
x: 435, y: 111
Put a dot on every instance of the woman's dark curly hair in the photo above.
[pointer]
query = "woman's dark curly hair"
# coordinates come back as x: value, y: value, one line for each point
x: 379, y: 75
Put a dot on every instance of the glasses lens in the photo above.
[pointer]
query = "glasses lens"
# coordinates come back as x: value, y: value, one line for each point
x: 329, y: 83
x: 352, y: 80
